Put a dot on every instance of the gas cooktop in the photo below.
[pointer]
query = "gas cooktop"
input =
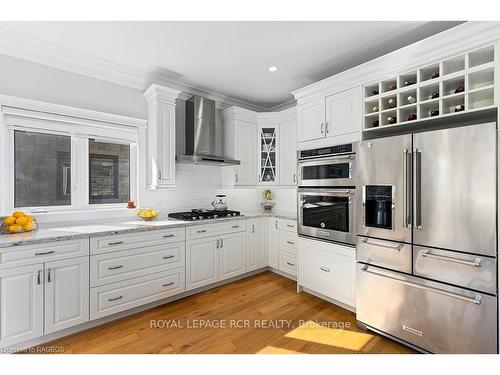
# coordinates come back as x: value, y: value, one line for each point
x: 199, y: 214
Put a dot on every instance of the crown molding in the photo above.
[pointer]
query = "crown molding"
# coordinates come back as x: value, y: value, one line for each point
x: 156, y: 93
x: 40, y: 52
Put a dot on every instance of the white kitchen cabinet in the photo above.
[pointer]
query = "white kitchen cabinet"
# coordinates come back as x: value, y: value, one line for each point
x: 263, y: 245
x: 268, y: 154
x: 311, y: 120
x: 232, y: 255
x: 328, y: 269
x: 288, y: 152
x: 21, y: 304
x: 202, y: 262
x: 253, y: 243
x: 160, y: 144
x: 66, y: 293
x: 273, y: 240
x: 343, y: 113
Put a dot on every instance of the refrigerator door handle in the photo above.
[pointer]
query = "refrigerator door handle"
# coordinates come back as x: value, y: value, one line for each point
x: 417, y: 189
x: 406, y: 189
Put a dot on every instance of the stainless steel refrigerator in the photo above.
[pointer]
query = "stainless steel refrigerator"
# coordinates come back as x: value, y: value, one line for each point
x: 427, y: 239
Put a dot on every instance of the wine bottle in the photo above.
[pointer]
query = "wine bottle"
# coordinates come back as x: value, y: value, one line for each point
x: 375, y: 108
x: 408, y: 83
x: 411, y: 99
x: 435, y: 95
x: 374, y: 92
x: 459, y: 89
x: 375, y: 124
x: 412, y: 116
x: 434, y: 112
x: 391, y: 120
x: 459, y: 108
x: 391, y: 102
x: 392, y: 86
x: 435, y: 75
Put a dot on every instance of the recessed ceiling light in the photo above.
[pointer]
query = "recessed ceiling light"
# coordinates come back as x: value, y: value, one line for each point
x: 273, y: 68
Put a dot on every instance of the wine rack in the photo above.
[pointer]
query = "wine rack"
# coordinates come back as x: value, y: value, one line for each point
x: 462, y: 83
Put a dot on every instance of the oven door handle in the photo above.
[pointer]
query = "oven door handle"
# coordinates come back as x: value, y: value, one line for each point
x: 319, y: 192
x: 320, y: 160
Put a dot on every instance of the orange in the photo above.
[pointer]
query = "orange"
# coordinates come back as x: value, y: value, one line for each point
x: 30, y: 218
x: 9, y: 220
x: 27, y: 227
x: 18, y: 214
x: 15, y: 228
x: 21, y: 220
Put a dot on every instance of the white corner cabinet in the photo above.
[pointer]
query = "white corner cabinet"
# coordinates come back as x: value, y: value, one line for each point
x: 282, y: 245
x: 160, y: 136
x: 265, y: 143
x: 330, y: 119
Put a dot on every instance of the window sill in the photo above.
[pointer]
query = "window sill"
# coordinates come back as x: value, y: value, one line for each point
x: 91, y: 214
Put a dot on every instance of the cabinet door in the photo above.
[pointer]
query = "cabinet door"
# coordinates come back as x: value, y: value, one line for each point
x: 232, y: 255
x: 66, y: 293
x: 273, y: 243
x: 268, y: 155
x: 311, y: 120
x: 263, y: 242
x: 246, y: 152
x: 21, y: 304
x: 252, y: 244
x: 343, y: 113
x: 201, y: 262
x: 288, y: 153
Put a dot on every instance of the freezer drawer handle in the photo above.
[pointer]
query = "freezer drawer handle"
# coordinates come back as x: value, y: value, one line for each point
x: 397, y: 248
x: 476, y: 300
x: 475, y: 263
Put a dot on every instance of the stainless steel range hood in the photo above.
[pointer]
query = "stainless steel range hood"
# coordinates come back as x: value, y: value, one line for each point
x: 201, y: 134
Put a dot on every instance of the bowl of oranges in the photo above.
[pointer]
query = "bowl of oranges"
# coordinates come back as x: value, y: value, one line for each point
x: 147, y: 213
x: 18, y: 222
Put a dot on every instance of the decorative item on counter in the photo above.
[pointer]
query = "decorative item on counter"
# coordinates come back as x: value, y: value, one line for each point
x: 375, y: 123
x: 411, y: 99
x: 391, y: 120
x: 268, y: 203
x: 459, y: 108
x: 408, y: 83
x: 147, y: 213
x: 219, y: 203
x: 434, y: 112
x: 459, y: 89
x: 392, y: 86
x: 412, y: 116
x: 434, y: 95
x: 131, y: 204
x: 435, y: 75
x: 391, y: 103
x: 18, y: 222
x: 375, y: 108
x: 374, y: 92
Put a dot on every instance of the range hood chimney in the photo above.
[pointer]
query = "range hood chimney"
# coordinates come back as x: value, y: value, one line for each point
x: 201, y: 135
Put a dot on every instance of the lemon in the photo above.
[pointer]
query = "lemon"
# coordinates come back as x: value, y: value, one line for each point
x: 15, y: 228
x: 27, y: 227
x: 21, y: 220
x: 30, y: 218
x: 9, y: 220
x: 155, y: 213
x: 18, y: 214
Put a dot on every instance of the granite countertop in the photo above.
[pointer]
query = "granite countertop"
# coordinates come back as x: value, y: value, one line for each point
x: 92, y: 229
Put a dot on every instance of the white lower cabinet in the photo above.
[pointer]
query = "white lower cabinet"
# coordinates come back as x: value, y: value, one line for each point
x: 232, y: 255
x: 253, y: 244
x: 328, y: 269
x: 202, y: 265
x: 66, y: 293
x: 273, y: 240
x: 21, y: 304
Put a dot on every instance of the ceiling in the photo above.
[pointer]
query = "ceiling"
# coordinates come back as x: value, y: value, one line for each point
x: 232, y: 58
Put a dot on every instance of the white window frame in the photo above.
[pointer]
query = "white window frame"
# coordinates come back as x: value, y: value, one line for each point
x: 81, y: 125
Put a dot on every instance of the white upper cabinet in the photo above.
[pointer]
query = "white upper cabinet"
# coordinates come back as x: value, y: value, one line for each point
x: 311, y: 120
x: 288, y: 151
x: 268, y: 163
x: 343, y: 113
x: 160, y: 137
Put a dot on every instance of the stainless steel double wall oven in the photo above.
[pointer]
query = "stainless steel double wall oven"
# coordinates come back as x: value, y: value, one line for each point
x: 327, y: 193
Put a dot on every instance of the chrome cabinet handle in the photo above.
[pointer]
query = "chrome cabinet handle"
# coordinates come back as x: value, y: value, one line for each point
x: 168, y: 235
x: 397, y: 248
x: 276, y: 224
x: 115, y: 267
x: 45, y: 252
x: 290, y: 242
x: 115, y: 243
x: 417, y: 190
x: 326, y: 127
x: 115, y: 298
x: 294, y: 178
x: 235, y: 226
x: 321, y: 128
x: 221, y: 243
x: 325, y: 269
x: 290, y: 264
x: 168, y: 257
x: 476, y: 300
x: 217, y: 243
x: 201, y: 231
x: 253, y: 228
x: 159, y: 174
x: 49, y: 275
x: 39, y: 277
x: 236, y: 178
x: 168, y: 284
x: 474, y: 263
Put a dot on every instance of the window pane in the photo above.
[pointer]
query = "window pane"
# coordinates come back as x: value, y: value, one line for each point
x: 109, y: 172
x: 42, y: 169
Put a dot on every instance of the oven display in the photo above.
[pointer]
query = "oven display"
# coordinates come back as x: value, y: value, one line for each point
x: 326, y: 171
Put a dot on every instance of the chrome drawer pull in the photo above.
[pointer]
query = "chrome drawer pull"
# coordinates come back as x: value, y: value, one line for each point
x: 45, y: 252
x: 115, y: 243
x: 235, y: 226
x: 168, y: 284
x: 475, y: 300
x: 474, y: 263
x: 397, y: 248
x: 168, y: 257
x: 168, y: 235
x: 115, y: 267
x: 290, y: 242
x: 290, y: 264
x: 115, y: 299
x: 201, y: 231
x: 324, y: 269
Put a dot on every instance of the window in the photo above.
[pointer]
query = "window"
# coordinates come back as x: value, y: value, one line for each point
x: 109, y: 172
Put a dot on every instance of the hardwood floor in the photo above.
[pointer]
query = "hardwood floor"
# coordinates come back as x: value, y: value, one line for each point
x: 265, y: 305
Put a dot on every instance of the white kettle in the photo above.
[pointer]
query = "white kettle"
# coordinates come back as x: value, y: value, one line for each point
x: 219, y: 203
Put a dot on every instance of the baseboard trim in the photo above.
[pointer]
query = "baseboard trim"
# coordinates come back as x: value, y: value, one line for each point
x: 281, y: 273
x: 328, y: 299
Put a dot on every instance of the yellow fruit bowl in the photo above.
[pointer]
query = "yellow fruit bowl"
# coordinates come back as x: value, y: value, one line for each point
x: 147, y: 213
x: 18, y: 222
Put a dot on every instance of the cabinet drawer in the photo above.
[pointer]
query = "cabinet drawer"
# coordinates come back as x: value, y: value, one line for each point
x: 388, y: 254
x: 122, y: 265
x: 288, y: 263
x: 39, y: 253
x: 469, y: 271
x: 208, y: 230
x: 113, y: 298
x: 117, y: 242
x: 288, y: 242
x: 288, y: 225
x: 328, y: 269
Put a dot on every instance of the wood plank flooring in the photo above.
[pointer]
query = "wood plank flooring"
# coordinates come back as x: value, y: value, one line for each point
x: 272, y: 316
